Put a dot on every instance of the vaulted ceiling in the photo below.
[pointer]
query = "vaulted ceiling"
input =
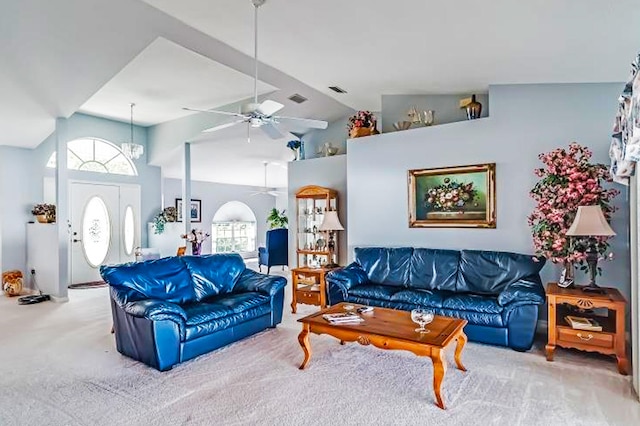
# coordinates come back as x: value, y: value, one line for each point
x: 374, y: 47
x: 96, y: 56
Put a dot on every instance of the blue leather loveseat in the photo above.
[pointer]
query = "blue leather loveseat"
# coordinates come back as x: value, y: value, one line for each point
x: 498, y: 293
x: 169, y: 310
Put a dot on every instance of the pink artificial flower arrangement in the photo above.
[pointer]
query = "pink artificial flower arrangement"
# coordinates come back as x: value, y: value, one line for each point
x: 568, y: 181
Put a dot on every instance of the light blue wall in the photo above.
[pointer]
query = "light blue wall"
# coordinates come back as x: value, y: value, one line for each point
x: 214, y: 195
x: 21, y: 181
x: 17, y: 186
x: 525, y: 121
x: 336, y: 133
x: 446, y: 107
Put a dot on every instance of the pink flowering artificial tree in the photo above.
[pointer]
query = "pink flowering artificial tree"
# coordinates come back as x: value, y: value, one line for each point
x: 568, y: 181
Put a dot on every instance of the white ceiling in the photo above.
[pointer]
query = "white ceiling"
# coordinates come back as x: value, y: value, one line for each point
x: 227, y: 157
x: 166, y: 77
x: 375, y: 47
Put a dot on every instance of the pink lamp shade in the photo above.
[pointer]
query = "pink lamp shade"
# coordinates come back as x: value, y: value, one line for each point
x: 331, y: 222
x: 590, y: 221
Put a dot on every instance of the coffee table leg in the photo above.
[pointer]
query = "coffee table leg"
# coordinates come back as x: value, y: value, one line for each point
x: 439, y: 368
x: 303, y: 338
x: 462, y: 340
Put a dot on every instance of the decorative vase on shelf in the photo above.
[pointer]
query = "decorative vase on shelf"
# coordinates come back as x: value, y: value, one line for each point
x: 429, y: 117
x: 474, y: 109
x: 42, y: 218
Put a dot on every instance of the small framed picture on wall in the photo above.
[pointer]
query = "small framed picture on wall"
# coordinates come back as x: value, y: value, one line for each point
x: 195, y: 210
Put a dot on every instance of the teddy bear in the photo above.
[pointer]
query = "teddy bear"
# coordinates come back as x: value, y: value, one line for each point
x: 12, y: 283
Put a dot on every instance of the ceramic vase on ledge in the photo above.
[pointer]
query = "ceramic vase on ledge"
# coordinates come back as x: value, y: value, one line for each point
x: 474, y: 109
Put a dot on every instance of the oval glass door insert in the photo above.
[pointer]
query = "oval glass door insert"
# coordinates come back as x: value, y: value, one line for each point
x: 96, y: 231
x: 129, y: 230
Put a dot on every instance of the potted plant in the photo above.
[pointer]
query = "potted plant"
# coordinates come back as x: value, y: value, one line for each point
x: 362, y: 123
x: 567, y: 181
x: 277, y: 219
x: 168, y: 214
x: 44, y: 213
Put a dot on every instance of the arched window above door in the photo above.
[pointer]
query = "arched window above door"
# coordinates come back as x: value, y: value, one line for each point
x: 96, y: 155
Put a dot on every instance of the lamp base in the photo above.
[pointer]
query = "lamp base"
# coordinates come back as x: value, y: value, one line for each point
x: 593, y: 288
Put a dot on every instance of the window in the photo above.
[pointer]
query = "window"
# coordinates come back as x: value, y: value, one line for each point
x: 234, y: 229
x: 95, y: 155
x: 96, y: 231
x: 237, y: 237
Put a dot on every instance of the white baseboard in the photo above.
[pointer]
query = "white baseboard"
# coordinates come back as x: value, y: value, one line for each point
x: 57, y: 299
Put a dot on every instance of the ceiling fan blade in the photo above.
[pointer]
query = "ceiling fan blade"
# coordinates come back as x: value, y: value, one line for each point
x: 306, y: 122
x: 269, y: 108
x: 275, y: 193
x: 222, y: 126
x: 214, y: 111
x: 271, y: 131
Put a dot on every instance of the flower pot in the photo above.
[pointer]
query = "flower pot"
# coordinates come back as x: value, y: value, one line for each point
x: 358, y: 132
x: 42, y: 218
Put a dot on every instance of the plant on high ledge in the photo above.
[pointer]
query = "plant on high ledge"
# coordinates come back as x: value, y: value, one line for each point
x: 168, y: 214
x: 568, y: 181
x: 362, y: 123
x: 277, y: 219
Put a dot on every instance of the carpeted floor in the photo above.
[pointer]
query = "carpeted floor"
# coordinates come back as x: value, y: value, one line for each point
x: 59, y: 366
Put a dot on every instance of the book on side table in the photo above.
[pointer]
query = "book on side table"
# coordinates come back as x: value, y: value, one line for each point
x: 582, y: 323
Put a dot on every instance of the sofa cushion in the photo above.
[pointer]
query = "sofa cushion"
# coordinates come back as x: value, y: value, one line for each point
x: 222, y: 306
x: 472, y: 302
x: 428, y: 298
x: 489, y: 272
x: 477, y: 318
x: 373, y: 291
x: 434, y: 269
x: 162, y: 279
x: 213, y: 274
x: 205, y: 328
x: 389, y: 266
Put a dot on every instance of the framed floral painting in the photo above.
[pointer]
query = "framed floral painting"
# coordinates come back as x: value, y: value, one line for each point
x: 453, y: 197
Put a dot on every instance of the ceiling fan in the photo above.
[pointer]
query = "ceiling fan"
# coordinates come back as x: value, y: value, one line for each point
x: 260, y: 114
x: 266, y: 190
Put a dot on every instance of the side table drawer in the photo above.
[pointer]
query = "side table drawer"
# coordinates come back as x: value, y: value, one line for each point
x: 592, y: 338
x: 308, y: 297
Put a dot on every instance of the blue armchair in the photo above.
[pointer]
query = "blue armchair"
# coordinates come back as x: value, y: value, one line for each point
x: 277, y: 250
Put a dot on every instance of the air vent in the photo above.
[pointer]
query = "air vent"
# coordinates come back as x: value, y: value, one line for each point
x: 337, y: 89
x: 297, y: 98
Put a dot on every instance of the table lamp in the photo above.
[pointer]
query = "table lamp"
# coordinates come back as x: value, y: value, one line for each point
x: 590, y: 222
x: 331, y: 223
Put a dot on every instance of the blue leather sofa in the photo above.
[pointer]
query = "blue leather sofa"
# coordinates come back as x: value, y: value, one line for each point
x: 276, y: 251
x: 169, y: 310
x: 498, y: 293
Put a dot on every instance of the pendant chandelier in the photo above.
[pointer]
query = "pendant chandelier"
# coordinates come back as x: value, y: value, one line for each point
x: 132, y: 150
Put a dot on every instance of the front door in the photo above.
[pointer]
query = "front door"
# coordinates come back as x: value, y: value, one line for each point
x: 105, y: 221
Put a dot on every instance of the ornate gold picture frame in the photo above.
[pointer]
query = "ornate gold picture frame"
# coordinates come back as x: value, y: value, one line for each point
x: 453, y: 197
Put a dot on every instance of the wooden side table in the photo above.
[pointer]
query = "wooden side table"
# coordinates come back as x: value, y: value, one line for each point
x: 608, y: 309
x: 309, y: 287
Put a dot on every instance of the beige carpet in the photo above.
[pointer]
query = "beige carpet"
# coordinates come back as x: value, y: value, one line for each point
x: 59, y: 366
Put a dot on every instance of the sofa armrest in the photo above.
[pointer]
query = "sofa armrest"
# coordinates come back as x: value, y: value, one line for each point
x: 527, y: 290
x: 339, y: 281
x: 254, y: 281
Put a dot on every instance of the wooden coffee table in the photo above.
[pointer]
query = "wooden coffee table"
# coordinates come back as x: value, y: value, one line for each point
x: 392, y: 329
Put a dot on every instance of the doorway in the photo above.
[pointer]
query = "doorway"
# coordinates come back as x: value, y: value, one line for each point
x: 105, y: 227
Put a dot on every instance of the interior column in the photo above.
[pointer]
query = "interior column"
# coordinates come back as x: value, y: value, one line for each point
x: 186, y: 191
x: 62, y: 208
